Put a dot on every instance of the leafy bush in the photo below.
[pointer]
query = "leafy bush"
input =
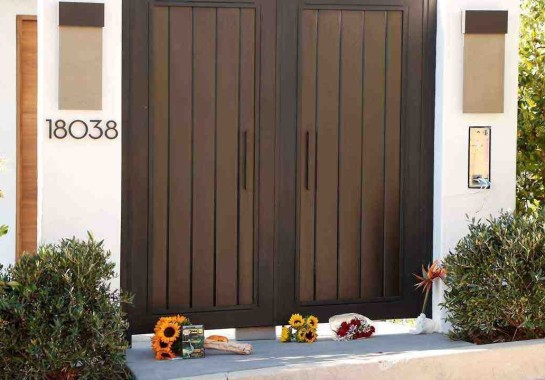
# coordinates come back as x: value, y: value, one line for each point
x: 496, y: 280
x: 531, y: 107
x: 59, y: 319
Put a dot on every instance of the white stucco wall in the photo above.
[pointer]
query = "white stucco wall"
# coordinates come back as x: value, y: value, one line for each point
x: 9, y: 9
x: 452, y: 199
x: 79, y: 180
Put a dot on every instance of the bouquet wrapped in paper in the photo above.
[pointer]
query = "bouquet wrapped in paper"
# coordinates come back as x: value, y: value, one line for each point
x: 351, y: 326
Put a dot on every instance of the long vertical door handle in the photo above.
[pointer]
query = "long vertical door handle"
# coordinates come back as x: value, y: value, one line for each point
x: 245, y: 160
x: 307, y: 159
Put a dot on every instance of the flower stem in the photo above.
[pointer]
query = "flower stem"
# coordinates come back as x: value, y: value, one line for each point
x: 426, y: 300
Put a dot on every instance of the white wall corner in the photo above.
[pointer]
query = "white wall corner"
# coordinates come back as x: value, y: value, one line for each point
x: 80, y: 180
x: 453, y: 200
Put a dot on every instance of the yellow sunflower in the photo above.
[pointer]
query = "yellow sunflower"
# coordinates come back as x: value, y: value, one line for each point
x: 159, y: 345
x: 164, y: 354
x: 300, y: 336
x: 160, y: 323
x: 310, y: 336
x: 286, y: 334
x: 296, y: 321
x: 312, y: 322
x: 178, y: 319
x: 168, y: 331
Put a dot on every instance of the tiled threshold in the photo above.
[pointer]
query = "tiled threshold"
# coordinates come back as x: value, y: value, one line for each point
x: 390, y: 354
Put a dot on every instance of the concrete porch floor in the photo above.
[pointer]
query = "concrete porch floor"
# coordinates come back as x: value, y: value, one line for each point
x: 390, y: 354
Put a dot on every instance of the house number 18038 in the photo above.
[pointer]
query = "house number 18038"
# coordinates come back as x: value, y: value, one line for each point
x: 79, y: 129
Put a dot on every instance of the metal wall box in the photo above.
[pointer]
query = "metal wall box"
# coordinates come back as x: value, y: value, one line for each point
x: 80, y: 55
x: 479, y: 157
x: 484, y: 60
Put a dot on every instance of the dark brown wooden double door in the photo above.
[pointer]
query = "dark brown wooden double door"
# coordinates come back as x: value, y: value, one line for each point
x: 275, y: 159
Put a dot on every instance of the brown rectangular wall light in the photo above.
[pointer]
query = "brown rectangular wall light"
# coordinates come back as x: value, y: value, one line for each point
x: 484, y: 60
x: 80, y: 55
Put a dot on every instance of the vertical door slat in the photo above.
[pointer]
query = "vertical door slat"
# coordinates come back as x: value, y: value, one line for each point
x: 373, y: 155
x: 181, y: 152
x: 204, y: 120
x: 247, y: 121
x: 227, y: 135
x: 350, y: 154
x: 159, y: 148
x: 307, y: 153
x: 392, y: 161
x: 327, y: 154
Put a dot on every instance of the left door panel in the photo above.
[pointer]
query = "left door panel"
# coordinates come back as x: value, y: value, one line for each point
x: 207, y: 154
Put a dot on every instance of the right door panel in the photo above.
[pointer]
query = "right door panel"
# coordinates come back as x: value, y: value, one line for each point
x: 356, y: 112
x: 349, y: 179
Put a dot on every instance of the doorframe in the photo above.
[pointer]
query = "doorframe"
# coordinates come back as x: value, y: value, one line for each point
x: 19, y: 72
x: 278, y: 288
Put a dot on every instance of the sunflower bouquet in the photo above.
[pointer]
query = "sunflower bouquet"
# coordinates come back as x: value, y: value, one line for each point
x: 166, y: 341
x: 300, y: 329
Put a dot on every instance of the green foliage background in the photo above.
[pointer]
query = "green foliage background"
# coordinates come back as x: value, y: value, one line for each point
x: 531, y: 107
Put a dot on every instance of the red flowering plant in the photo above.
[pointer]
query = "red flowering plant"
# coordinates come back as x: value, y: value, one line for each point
x: 434, y: 271
x: 356, y: 328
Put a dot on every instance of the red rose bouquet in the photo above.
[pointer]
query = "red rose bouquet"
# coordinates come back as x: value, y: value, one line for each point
x: 356, y: 328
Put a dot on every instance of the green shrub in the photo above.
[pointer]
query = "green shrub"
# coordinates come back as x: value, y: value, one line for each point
x: 496, y: 280
x: 59, y: 319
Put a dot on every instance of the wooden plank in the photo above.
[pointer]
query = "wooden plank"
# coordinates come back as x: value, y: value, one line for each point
x: 392, y: 155
x: 307, y: 154
x: 204, y: 140
x: 181, y: 152
x: 135, y: 224
x: 159, y: 156
x: 373, y: 155
x: 227, y: 124
x: 247, y: 124
x: 327, y: 154
x: 27, y: 174
x: 350, y: 154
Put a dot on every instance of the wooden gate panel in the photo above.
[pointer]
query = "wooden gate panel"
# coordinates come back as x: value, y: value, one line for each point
x: 202, y: 121
x: 248, y: 90
x: 204, y: 138
x: 227, y: 160
x: 307, y: 133
x: 392, y: 215
x: 159, y: 135
x: 349, y: 154
x: 181, y: 153
x: 350, y: 142
x: 374, y: 64
x: 327, y: 145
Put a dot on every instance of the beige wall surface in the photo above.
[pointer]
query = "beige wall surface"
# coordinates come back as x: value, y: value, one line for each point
x: 484, y: 62
x: 80, y: 68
